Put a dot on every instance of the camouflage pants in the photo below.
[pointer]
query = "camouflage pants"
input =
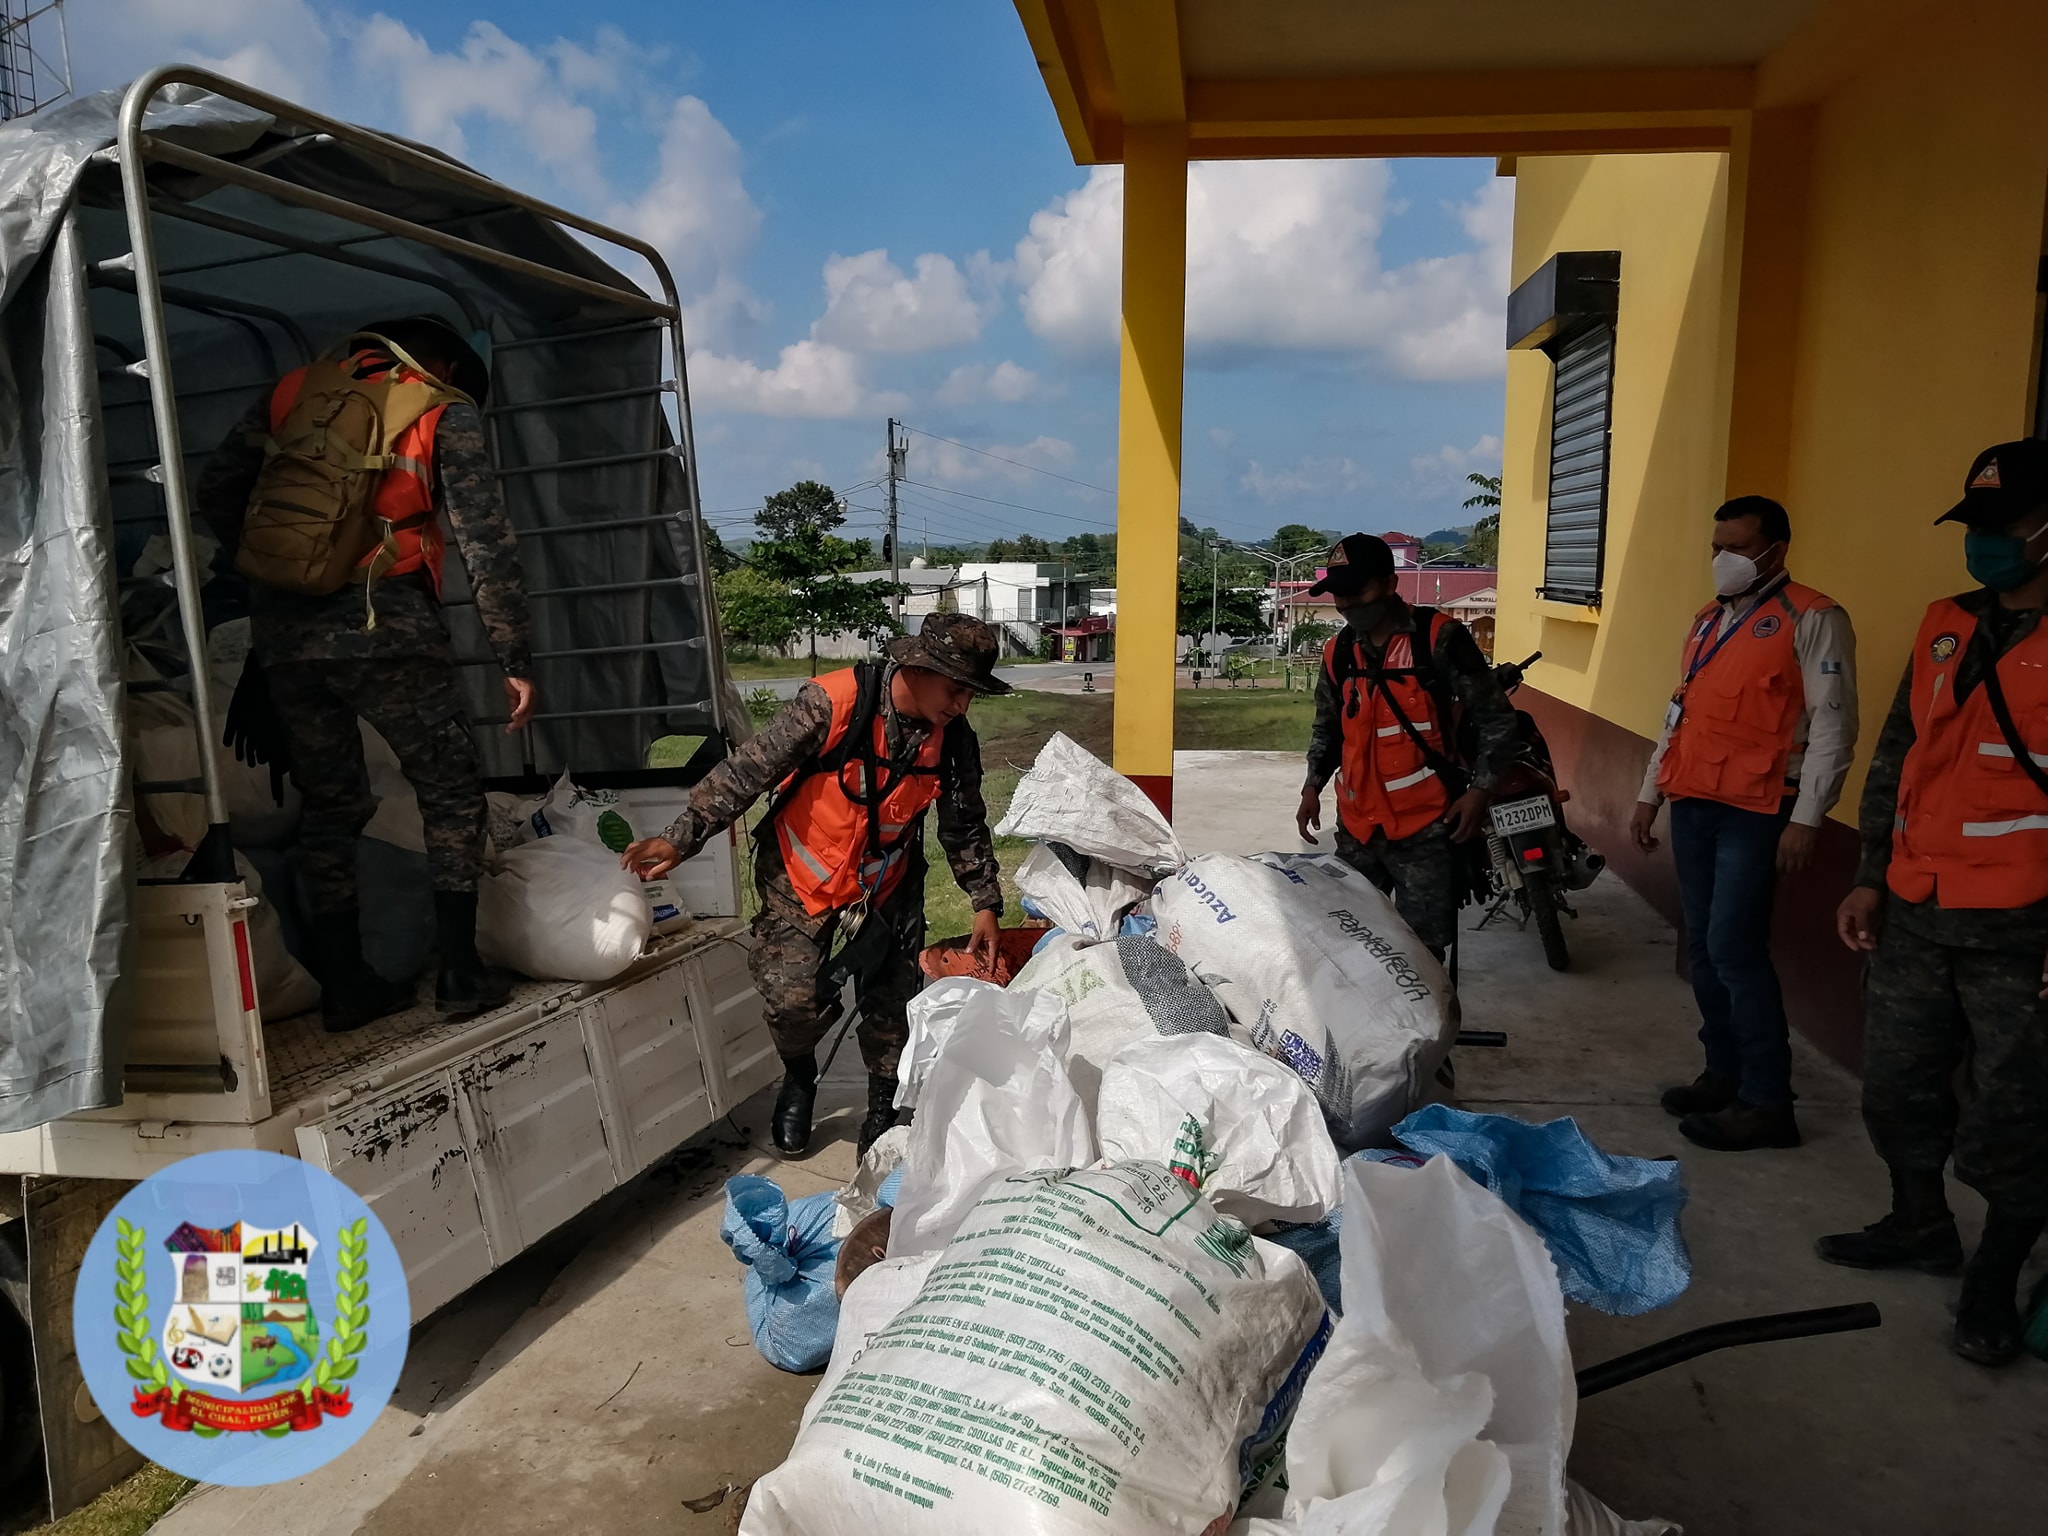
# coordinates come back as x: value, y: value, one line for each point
x: 416, y: 706
x: 1930, y: 1009
x: 788, y: 966
x: 1420, y: 872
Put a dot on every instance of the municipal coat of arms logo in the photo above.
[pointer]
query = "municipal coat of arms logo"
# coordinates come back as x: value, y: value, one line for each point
x: 1944, y: 646
x: 239, y: 1348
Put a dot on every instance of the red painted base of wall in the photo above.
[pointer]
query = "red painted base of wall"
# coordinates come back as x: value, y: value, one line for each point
x: 1602, y: 765
x: 1158, y: 789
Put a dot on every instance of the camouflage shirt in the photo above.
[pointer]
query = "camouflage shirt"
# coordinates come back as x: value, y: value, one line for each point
x: 1497, y: 734
x: 797, y: 734
x: 1963, y: 927
x: 289, y: 627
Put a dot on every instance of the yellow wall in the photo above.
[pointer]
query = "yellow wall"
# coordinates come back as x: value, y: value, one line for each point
x: 1666, y: 214
x: 1907, y: 280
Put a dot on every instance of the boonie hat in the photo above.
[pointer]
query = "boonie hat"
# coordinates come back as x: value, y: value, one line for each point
x: 2005, y: 482
x: 953, y: 645
x: 1352, y: 561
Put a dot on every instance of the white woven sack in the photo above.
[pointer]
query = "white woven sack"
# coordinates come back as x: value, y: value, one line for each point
x: 1072, y: 796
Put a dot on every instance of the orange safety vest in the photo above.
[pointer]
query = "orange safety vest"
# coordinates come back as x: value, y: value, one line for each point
x: 1384, y: 781
x: 1739, y: 703
x: 822, y: 826
x: 1971, y: 826
x: 404, y: 498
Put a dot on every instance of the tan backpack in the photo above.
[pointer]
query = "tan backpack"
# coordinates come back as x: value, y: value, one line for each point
x: 311, y: 519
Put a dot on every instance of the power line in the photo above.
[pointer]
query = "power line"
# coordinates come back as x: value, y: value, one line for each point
x: 1016, y: 463
x: 996, y: 501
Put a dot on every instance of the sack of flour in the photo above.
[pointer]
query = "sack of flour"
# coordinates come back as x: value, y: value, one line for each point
x: 1096, y: 1353
x: 1319, y: 971
x: 557, y: 909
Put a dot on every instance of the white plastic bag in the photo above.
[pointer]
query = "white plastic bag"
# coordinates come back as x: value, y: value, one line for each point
x: 1241, y: 1127
x: 1072, y: 796
x: 1450, y: 1300
x: 1089, y: 1357
x: 283, y: 986
x: 931, y: 1016
x: 1090, y: 908
x: 997, y: 1101
x: 1585, y: 1515
x: 1116, y: 993
x: 859, y: 1197
x: 560, y: 910
x: 1320, y: 972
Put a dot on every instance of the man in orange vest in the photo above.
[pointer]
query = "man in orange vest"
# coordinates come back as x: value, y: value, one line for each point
x: 1951, y: 903
x: 1756, y: 742
x: 859, y: 756
x: 1396, y: 684
x: 318, y: 664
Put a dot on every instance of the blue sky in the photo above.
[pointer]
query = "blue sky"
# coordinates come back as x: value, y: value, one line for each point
x: 871, y: 211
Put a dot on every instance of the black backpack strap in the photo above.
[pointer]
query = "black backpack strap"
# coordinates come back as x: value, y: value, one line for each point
x: 1454, y: 778
x: 860, y: 731
x: 1994, y: 693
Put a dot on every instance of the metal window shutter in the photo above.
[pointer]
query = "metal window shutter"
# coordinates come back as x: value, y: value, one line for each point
x: 1576, y: 520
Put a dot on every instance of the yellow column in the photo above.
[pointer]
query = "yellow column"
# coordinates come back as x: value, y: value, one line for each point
x: 1148, y: 452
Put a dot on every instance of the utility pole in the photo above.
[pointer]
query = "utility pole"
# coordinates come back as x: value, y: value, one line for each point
x: 897, y: 454
x: 1215, y: 577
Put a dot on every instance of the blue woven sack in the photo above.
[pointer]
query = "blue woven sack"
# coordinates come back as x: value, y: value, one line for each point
x: 789, y: 1251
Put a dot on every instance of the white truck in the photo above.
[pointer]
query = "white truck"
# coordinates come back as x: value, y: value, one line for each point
x: 222, y: 236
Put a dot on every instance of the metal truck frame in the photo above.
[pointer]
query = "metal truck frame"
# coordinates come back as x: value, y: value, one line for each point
x: 470, y: 1139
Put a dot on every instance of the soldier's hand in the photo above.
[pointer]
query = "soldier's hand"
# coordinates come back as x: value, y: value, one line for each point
x: 1309, y: 813
x: 1467, y: 815
x: 982, y: 944
x: 651, y: 857
x: 1640, y: 820
x: 1859, y: 917
x: 1795, y: 848
x: 519, y: 698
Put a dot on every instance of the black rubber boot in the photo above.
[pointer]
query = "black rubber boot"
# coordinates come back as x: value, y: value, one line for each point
x: 351, y: 994
x: 1988, y: 1315
x: 465, y: 984
x: 793, y: 1105
x: 1707, y: 1094
x: 1918, y: 1232
x: 1743, y: 1128
x: 881, y: 1111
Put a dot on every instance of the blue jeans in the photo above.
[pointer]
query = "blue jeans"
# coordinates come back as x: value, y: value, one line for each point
x: 1727, y: 872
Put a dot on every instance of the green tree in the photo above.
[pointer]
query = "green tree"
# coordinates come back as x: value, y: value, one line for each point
x: 1488, y: 494
x: 799, y: 551
x: 752, y: 610
x: 1024, y: 547
x: 717, y: 555
x: 1482, y: 545
x: 1237, y: 612
x: 1298, y: 539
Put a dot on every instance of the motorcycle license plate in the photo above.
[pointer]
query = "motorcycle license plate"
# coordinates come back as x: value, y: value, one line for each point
x: 1523, y: 816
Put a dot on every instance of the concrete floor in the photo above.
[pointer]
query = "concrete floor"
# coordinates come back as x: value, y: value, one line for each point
x: 606, y: 1380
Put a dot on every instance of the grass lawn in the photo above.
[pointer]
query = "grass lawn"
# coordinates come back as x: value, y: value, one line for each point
x: 128, y: 1508
x: 752, y: 667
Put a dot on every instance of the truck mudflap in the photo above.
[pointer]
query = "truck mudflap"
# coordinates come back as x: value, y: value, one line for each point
x: 472, y: 1162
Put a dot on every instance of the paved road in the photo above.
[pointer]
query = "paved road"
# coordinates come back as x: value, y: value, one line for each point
x: 1044, y: 677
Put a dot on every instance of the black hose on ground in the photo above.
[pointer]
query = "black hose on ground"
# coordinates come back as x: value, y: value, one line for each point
x: 1682, y: 1347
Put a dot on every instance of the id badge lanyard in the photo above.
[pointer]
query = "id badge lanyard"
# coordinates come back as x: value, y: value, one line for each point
x: 1676, y: 709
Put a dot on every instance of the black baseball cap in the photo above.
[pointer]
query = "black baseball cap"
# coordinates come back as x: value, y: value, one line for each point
x: 1352, y: 561
x: 2005, y: 482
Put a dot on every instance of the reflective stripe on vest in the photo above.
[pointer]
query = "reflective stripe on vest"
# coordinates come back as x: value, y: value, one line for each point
x: 1385, y: 782
x: 404, y: 498
x: 823, y: 831
x: 1739, y: 715
x: 1971, y: 828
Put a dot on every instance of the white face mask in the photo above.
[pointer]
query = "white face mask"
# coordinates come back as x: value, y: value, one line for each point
x: 1734, y: 573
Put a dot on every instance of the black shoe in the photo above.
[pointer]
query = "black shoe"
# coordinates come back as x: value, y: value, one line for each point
x: 465, y: 984
x: 1707, y: 1094
x: 351, y: 994
x: 1988, y: 1314
x: 881, y: 1111
x: 1742, y: 1128
x: 793, y: 1105
x: 1932, y: 1248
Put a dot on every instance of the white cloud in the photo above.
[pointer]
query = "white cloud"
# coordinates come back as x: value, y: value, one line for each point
x: 870, y: 306
x: 1312, y: 477
x: 810, y: 379
x: 935, y: 460
x: 1449, y: 465
x: 1282, y: 255
x: 275, y: 45
x: 1005, y: 383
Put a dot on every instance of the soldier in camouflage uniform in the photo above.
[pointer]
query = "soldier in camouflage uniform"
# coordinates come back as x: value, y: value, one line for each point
x: 1951, y: 901
x: 925, y: 689
x: 1424, y: 869
x: 319, y: 664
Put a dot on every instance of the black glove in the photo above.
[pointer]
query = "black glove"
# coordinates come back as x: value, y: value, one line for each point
x: 254, y: 729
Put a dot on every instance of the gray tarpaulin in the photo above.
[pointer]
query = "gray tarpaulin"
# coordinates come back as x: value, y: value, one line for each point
x: 256, y: 285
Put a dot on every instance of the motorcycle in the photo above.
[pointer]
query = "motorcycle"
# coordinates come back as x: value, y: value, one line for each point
x: 1535, y: 857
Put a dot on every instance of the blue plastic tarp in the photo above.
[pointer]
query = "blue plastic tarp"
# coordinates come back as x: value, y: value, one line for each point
x: 1611, y: 1222
x: 789, y: 1251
